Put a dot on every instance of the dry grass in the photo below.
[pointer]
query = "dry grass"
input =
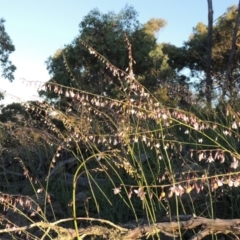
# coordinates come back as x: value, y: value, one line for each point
x: 115, y: 161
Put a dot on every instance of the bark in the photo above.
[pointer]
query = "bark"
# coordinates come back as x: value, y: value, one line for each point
x: 168, y: 228
x: 209, y: 82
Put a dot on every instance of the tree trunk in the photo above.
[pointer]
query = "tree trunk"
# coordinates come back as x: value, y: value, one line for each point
x: 209, y: 83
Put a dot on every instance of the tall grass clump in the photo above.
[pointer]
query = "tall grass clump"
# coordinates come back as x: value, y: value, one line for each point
x: 120, y: 167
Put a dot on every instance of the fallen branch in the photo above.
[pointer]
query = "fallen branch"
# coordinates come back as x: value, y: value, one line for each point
x: 135, y: 230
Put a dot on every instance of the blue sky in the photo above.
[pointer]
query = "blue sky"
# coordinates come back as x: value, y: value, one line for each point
x: 39, y: 28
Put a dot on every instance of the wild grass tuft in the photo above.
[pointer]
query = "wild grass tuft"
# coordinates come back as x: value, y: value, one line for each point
x: 116, y: 160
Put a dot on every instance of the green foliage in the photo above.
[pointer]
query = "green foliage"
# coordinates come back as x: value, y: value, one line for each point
x: 13, y: 112
x: 6, y: 48
x: 153, y: 26
x: 106, y: 34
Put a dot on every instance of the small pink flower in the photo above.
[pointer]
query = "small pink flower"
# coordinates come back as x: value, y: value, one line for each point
x: 116, y: 190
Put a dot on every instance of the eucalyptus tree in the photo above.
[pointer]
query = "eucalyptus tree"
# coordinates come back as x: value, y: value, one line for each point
x: 6, y: 48
x: 193, y: 55
x: 73, y: 66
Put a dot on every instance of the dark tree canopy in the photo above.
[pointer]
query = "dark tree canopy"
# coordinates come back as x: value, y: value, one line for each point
x: 6, y: 48
x: 106, y: 33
